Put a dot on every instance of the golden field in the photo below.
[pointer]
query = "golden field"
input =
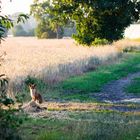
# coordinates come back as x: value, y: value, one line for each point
x: 53, y: 60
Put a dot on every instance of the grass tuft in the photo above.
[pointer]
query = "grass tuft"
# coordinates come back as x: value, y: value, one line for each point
x: 134, y: 87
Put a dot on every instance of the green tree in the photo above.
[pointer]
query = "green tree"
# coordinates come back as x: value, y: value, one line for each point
x: 18, y: 30
x: 43, y: 30
x: 46, y: 28
x: 97, y: 19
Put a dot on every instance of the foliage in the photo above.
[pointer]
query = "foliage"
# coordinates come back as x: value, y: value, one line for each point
x: 40, y: 84
x: 43, y: 31
x: 98, y: 41
x: 97, y: 18
x: 131, y: 49
x: 9, y: 118
x: 45, y: 35
x: 19, y: 31
x: 30, y: 80
x: 22, y: 18
x: 6, y: 23
x: 3, y: 90
x: 9, y: 123
x: 46, y: 28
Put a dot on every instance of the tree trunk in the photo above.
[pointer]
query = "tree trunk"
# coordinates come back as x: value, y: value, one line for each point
x: 57, y: 32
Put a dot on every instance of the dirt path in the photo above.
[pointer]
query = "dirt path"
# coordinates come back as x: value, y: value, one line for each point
x: 113, y: 92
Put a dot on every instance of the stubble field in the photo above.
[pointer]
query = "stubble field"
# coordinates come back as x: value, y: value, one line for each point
x: 51, y: 60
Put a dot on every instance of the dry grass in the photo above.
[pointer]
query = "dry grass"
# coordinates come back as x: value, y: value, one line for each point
x: 52, y: 60
x: 123, y: 44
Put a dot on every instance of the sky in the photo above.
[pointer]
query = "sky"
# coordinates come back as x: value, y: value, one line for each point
x: 16, y: 6
x: 133, y: 31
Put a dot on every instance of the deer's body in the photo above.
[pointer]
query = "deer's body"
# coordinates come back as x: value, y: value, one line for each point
x: 34, y: 94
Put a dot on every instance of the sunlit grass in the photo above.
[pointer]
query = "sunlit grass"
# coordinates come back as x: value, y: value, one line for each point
x: 92, y: 82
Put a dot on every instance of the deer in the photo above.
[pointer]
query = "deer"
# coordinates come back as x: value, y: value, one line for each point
x: 34, y: 94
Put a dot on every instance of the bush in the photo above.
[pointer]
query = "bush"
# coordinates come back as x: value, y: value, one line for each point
x: 44, y: 35
x: 9, y: 118
x: 130, y: 49
x: 9, y: 121
x: 99, y: 41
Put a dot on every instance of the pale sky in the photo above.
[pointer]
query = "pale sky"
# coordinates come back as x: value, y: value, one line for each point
x: 16, y: 6
x: 133, y: 31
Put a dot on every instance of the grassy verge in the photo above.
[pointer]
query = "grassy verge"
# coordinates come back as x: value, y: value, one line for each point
x: 134, y: 87
x: 79, y: 88
x: 84, y: 126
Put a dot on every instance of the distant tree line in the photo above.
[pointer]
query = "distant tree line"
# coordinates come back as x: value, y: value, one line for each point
x: 42, y: 30
x: 18, y: 30
x: 50, y: 26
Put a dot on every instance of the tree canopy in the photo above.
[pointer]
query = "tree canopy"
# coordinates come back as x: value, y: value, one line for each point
x: 49, y: 26
x: 97, y: 19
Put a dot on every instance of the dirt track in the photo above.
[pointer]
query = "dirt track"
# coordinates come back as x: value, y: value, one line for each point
x: 113, y: 92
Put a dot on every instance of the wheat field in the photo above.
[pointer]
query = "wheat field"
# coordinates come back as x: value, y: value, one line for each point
x: 51, y: 59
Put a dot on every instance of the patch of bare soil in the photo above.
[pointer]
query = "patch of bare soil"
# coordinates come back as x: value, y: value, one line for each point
x: 113, y: 92
x: 32, y: 107
x: 60, y: 110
